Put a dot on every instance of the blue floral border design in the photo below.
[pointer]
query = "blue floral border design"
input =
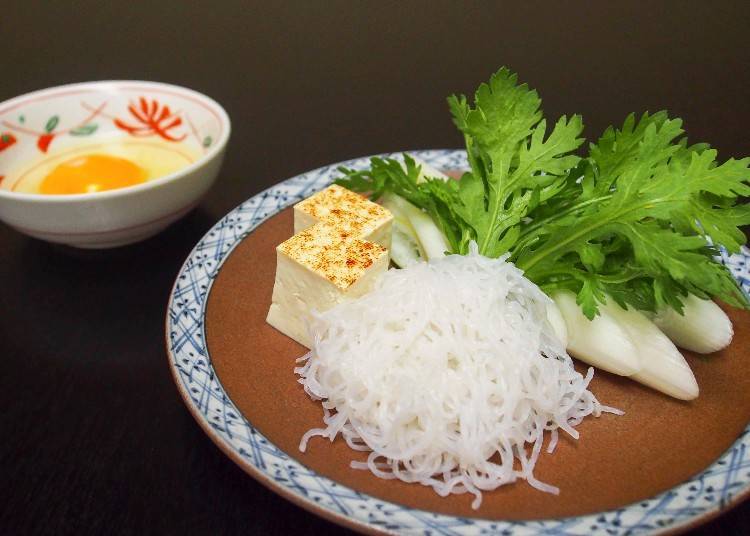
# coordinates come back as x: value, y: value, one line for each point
x: 707, y: 493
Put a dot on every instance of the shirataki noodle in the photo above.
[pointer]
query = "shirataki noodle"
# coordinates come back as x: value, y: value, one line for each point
x: 449, y: 374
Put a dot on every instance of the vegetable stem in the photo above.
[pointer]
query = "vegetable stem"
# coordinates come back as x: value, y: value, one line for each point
x: 589, y: 230
x: 545, y: 222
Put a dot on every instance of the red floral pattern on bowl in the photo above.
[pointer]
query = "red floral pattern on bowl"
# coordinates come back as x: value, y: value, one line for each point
x: 154, y: 119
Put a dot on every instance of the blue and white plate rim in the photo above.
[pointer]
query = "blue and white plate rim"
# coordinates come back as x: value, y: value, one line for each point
x: 723, y: 484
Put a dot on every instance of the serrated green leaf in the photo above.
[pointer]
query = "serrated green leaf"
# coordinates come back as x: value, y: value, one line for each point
x: 660, y: 195
x: 510, y: 158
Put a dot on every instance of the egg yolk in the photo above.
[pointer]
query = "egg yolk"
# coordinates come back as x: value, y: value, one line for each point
x: 92, y: 173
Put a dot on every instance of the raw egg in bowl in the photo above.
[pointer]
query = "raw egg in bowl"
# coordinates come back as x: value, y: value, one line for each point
x: 104, y: 164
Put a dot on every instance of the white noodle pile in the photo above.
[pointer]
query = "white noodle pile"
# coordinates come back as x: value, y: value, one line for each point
x: 444, y: 372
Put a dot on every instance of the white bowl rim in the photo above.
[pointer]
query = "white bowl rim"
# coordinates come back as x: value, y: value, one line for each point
x: 215, y: 150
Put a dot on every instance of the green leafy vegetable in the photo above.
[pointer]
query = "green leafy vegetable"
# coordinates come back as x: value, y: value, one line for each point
x: 513, y: 166
x: 639, y: 219
x: 437, y: 197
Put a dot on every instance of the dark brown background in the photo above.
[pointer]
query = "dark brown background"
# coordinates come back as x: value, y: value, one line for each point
x: 93, y: 436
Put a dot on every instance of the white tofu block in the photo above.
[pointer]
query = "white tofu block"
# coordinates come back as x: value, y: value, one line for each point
x: 339, y: 250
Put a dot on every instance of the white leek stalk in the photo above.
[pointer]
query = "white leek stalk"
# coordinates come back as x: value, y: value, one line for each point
x: 556, y: 320
x: 703, y: 328
x: 601, y: 342
x: 404, y: 246
x: 430, y: 238
x: 407, y: 245
x: 626, y: 342
x: 662, y: 365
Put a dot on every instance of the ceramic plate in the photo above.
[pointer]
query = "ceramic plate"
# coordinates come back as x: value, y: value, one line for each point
x: 664, y: 465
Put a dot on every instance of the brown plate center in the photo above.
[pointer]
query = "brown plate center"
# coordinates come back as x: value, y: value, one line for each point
x: 658, y: 443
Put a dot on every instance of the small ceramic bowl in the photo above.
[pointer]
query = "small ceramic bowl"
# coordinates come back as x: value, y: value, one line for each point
x: 41, y: 128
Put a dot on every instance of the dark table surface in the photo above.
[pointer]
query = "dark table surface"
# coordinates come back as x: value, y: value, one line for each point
x: 94, y: 438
